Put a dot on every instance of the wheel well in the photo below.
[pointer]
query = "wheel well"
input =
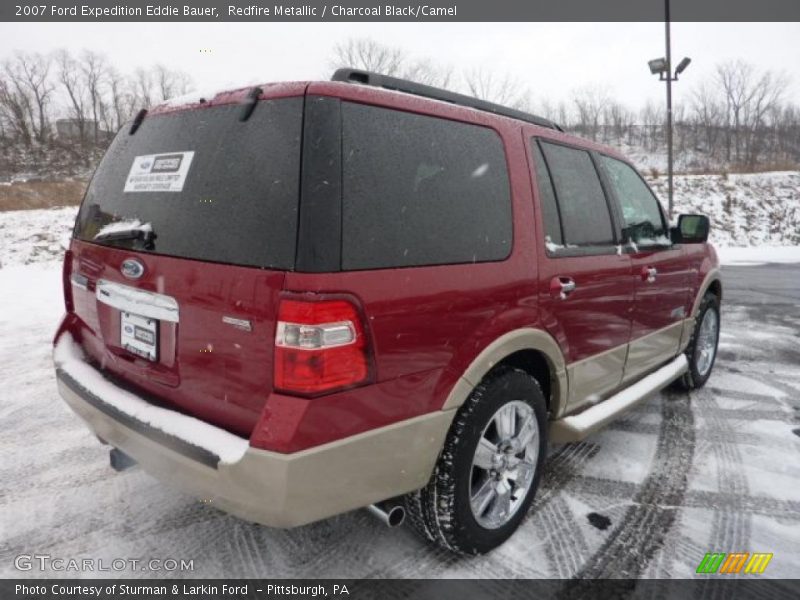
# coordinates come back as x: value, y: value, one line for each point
x: 715, y: 287
x: 534, y: 363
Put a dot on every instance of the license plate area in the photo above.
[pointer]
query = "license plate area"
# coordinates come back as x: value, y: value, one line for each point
x: 139, y: 335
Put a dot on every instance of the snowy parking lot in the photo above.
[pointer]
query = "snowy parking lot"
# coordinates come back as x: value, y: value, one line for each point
x: 682, y: 475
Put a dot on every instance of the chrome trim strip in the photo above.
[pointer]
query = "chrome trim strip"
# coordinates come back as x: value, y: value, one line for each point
x: 139, y: 302
x: 243, y: 324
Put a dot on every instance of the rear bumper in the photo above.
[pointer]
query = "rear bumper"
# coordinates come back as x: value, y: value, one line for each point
x: 279, y: 490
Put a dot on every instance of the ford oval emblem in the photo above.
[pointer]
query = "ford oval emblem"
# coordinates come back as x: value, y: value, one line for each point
x: 132, y: 268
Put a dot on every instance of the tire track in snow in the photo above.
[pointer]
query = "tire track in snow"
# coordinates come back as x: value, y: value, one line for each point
x: 643, y: 528
x: 550, y: 513
x: 566, y: 545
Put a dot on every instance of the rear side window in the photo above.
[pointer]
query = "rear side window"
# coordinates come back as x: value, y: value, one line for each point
x: 207, y: 185
x: 641, y: 212
x: 418, y: 190
x: 585, y: 217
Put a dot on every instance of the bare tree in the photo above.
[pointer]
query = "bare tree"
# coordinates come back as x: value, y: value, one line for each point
x: 121, y: 99
x: 69, y: 74
x: 170, y: 83
x: 426, y: 72
x: 35, y: 72
x: 708, y: 117
x: 590, y: 102
x: 652, y: 120
x: 93, y: 68
x: 27, y: 93
x: 143, y: 88
x: 617, y: 121
x: 765, y: 95
x: 488, y: 85
x: 14, y: 108
x: 367, y: 54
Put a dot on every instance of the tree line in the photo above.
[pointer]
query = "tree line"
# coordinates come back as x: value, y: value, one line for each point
x: 740, y: 117
x: 85, y: 88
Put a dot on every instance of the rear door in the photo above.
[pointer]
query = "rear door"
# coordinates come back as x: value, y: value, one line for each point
x: 180, y: 250
x: 586, y: 288
x: 660, y: 271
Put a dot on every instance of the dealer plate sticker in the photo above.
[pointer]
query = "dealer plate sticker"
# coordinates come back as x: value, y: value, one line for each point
x: 159, y: 172
x: 139, y: 335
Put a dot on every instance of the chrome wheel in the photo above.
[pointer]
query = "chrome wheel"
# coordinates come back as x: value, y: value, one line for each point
x: 504, y: 464
x: 706, y: 348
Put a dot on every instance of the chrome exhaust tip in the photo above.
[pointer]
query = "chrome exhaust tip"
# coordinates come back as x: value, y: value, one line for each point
x: 391, y: 515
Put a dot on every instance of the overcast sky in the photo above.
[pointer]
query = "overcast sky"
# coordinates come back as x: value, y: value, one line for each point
x: 551, y: 59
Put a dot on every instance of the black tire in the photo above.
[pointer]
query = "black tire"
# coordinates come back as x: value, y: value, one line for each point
x: 693, y: 379
x: 441, y: 510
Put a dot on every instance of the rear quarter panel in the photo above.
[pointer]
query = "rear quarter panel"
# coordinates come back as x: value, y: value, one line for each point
x: 427, y: 324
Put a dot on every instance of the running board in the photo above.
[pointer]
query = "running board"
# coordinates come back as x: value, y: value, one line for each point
x: 576, y: 427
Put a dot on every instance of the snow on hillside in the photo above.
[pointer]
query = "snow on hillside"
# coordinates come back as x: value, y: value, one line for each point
x: 759, y: 209
x: 745, y: 210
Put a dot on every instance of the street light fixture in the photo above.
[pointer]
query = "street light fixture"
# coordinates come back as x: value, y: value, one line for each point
x: 663, y: 68
x: 657, y: 65
x: 682, y: 66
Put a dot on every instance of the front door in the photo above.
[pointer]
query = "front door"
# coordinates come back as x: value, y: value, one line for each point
x: 659, y: 269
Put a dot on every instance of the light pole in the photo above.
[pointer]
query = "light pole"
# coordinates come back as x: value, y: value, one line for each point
x: 663, y: 68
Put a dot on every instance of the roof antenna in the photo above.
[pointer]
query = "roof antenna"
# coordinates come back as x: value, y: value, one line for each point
x: 137, y: 121
x: 249, y: 105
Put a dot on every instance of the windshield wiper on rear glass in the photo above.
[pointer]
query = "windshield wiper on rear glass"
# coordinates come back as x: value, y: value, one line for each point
x: 146, y: 235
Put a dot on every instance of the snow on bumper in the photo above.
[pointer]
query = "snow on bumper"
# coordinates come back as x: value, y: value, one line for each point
x: 280, y: 490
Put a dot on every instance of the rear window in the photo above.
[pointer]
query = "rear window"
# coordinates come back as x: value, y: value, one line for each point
x: 207, y: 186
x: 418, y: 190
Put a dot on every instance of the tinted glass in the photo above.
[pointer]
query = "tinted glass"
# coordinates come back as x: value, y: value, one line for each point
x: 547, y: 199
x: 582, y: 204
x: 640, y: 209
x: 238, y: 202
x: 419, y: 190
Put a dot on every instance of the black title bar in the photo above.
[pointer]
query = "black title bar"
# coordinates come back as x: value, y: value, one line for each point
x: 388, y: 10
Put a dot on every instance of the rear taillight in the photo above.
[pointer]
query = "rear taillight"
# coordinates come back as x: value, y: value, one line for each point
x: 320, y: 347
x: 66, y: 281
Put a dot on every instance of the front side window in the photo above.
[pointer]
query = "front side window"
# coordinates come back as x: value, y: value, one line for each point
x: 419, y: 190
x: 641, y: 213
x: 585, y: 217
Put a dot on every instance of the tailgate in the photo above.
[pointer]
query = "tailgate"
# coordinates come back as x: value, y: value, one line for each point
x: 179, y: 255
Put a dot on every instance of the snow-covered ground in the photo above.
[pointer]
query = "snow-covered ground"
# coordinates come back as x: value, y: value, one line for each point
x: 35, y: 236
x: 681, y: 475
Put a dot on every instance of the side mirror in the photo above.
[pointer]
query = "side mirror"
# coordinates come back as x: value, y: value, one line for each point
x: 691, y: 229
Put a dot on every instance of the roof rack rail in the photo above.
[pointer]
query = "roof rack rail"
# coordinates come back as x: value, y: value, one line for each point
x: 349, y: 75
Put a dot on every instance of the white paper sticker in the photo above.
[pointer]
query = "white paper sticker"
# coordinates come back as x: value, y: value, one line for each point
x: 159, y: 172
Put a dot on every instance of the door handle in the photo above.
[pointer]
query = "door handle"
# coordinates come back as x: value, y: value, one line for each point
x: 649, y: 274
x: 561, y: 287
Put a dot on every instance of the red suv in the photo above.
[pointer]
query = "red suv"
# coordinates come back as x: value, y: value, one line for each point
x: 305, y: 298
